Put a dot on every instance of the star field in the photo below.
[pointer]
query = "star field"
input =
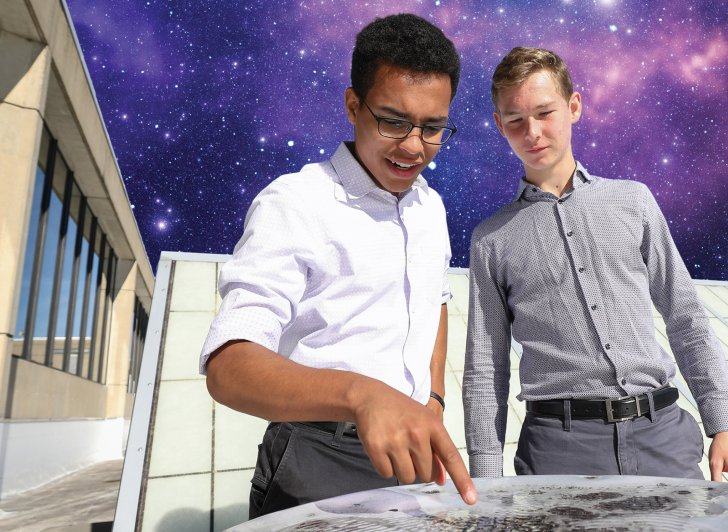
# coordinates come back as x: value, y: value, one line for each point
x: 206, y: 102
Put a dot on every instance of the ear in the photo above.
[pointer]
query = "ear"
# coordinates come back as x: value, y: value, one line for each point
x: 498, y: 123
x: 575, y: 107
x: 351, y: 101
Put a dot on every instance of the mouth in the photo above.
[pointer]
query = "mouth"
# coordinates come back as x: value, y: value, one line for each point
x: 537, y: 149
x: 404, y: 169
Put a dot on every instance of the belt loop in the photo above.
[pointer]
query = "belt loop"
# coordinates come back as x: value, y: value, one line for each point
x: 567, y: 415
x: 651, y: 400
x: 338, y: 434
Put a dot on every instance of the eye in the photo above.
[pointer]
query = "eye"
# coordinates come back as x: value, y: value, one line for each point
x: 432, y: 130
x: 393, y: 123
x: 545, y: 114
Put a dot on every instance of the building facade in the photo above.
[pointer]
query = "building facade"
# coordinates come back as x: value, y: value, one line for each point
x: 75, y: 281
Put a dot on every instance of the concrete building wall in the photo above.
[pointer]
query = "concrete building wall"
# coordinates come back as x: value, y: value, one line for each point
x: 117, y: 370
x: 42, y: 393
x: 24, y: 73
x: 53, y: 420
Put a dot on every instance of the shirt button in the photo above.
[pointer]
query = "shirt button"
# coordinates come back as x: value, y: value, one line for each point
x: 594, y: 307
x: 534, y: 189
x: 624, y: 381
x: 607, y: 347
x: 570, y: 233
x: 581, y: 270
x: 560, y: 201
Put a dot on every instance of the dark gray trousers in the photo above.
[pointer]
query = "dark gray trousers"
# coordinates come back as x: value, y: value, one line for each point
x: 667, y: 443
x: 298, y: 464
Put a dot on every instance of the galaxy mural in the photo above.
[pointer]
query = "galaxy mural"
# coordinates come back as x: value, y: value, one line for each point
x: 207, y: 101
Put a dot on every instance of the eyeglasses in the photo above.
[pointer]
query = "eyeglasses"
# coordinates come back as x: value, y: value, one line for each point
x: 397, y: 128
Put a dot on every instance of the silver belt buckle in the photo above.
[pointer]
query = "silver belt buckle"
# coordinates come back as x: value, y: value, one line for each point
x: 610, y: 413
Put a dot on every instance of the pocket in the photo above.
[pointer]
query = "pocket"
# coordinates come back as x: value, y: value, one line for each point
x: 271, y: 455
x: 521, y: 467
x: 520, y: 463
x: 426, y: 271
x: 256, y: 501
x: 698, y: 432
x: 274, y: 456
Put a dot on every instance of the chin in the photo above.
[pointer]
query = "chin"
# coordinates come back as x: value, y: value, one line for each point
x: 400, y: 187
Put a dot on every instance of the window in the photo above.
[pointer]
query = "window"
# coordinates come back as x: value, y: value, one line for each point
x: 67, y: 284
x: 138, y: 335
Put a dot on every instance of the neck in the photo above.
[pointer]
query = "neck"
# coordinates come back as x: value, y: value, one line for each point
x: 352, y: 150
x: 554, y: 180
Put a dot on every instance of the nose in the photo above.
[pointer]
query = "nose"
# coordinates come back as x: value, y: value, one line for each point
x: 533, y: 133
x: 412, y: 143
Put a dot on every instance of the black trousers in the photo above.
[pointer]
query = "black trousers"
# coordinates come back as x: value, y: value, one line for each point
x: 298, y: 463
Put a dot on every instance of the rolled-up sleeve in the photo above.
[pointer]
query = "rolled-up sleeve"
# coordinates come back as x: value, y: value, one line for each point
x: 265, y: 280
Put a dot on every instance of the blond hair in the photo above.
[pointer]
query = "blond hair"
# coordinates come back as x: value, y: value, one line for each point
x: 521, y: 62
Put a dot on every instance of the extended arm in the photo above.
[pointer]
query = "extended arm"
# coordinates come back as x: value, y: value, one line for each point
x: 437, y: 364
x: 399, y: 434
x: 263, y: 288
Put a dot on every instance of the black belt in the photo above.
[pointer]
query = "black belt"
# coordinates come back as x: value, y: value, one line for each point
x: 612, y: 410
x: 348, y: 429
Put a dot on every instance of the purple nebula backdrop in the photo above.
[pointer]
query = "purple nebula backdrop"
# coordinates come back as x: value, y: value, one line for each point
x: 206, y: 102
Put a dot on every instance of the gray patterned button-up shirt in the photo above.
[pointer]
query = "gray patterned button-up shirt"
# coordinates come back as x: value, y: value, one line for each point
x: 573, y: 280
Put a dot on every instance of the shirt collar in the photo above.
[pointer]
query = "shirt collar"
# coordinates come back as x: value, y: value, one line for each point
x: 581, y: 177
x: 355, y: 179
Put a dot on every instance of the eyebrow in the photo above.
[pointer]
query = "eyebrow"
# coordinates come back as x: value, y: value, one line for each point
x: 400, y: 114
x: 538, y: 107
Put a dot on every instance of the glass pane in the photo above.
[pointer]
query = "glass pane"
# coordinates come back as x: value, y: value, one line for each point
x: 78, y: 313
x: 132, y: 346
x: 48, y: 264
x: 64, y: 295
x: 19, y: 335
x: 67, y: 307
x: 109, y: 316
x: 92, y: 274
x: 105, y: 321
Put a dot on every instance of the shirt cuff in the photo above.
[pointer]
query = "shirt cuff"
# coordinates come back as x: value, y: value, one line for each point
x: 714, y: 416
x: 486, y: 465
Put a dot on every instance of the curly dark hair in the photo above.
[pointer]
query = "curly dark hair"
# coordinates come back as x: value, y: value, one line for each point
x: 405, y: 41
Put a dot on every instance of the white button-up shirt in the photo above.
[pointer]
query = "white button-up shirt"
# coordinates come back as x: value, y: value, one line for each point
x: 334, y: 272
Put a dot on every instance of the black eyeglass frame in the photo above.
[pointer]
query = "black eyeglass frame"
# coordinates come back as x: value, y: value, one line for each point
x: 379, y: 119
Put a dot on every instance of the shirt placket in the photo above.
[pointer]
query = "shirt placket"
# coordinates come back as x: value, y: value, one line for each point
x: 410, y: 264
x: 586, y: 277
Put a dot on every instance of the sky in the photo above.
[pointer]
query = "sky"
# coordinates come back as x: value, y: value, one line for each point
x: 206, y: 102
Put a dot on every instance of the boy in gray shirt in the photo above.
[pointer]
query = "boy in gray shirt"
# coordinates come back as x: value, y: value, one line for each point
x: 570, y: 268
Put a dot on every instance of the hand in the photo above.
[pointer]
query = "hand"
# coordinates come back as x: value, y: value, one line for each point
x: 718, y: 456
x: 408, y: 440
